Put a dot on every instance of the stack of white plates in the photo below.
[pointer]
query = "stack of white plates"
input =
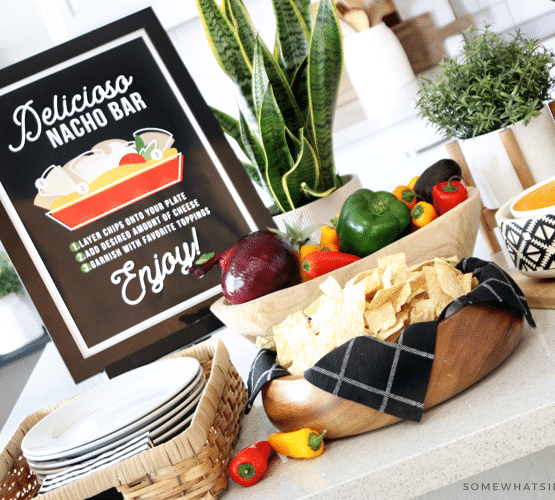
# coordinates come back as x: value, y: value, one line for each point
x: 159, y: 399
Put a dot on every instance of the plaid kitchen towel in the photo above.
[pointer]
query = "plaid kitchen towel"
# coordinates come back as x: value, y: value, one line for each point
x: 393, y: 377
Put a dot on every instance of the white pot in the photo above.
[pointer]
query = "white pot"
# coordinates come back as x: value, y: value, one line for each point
x: 537, y: 143
x: 19, y: 325
x: 320, y: 211
x: 380, y: 71
x: 491, y: 167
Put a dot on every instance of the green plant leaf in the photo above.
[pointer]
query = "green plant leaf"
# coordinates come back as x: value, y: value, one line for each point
x: 305, y: 171
x: 293, y: 33
x: 260, y: 80
x: 226, y: 46
x: 304, y: 8
x: 244, y: 26
x: 230, y: 126
x: 325, y: 63
x: 278, y: 156
x: 9, y: 280
x: 254, y: 151
x: 299, y: 86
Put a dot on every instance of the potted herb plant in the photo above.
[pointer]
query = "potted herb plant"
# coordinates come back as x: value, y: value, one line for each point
x: 497, y: 83
x: 19, y: 325
x: 288, y: 97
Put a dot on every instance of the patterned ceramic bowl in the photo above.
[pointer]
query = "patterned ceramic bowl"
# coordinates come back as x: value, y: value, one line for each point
x: 530, y: 241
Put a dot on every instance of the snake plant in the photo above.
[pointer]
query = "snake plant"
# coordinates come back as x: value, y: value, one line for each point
x: 286, y: 96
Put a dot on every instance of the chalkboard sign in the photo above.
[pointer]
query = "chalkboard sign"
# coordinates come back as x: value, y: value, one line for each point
x: 114, y: 179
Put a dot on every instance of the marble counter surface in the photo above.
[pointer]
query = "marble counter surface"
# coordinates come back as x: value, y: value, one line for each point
x: 507, y: 415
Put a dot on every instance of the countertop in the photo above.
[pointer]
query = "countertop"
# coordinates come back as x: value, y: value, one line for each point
x: 507, y: 415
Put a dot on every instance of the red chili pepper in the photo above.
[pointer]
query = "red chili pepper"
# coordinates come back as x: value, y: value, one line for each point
x: 249, y: 465
x: 322, y: 262
x: 448, y: 194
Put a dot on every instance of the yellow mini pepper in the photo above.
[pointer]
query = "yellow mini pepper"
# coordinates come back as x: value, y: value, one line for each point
x: 329, y: 239
x: 423, y: 213
x: 304, y: 443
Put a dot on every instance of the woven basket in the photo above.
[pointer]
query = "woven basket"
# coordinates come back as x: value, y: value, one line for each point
x: 192, y: 465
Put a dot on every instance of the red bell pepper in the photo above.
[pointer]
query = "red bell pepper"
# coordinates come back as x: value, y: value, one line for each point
x: 447, y: 195
x: 322, y: 261
x: 249, y: 465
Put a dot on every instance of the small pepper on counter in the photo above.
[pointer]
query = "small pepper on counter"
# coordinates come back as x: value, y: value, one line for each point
x: 304, y: 443
x: 423, y: 213
x: 447, y: 195
x: 324, y: 261
x: 250, y: 464
x: 371, y: 220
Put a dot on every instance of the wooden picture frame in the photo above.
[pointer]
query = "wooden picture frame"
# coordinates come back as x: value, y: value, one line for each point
x: 114, y: 177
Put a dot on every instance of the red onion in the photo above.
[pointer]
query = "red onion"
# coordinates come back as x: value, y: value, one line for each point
x: 260, y: 263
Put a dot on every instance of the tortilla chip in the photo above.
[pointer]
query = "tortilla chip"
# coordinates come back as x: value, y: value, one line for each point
x: 268, y: 342
x: 436, y: 293
x: 447, y: 278
x: 422, y: 310
x: 380, y: 318
x: 291, y: 337
x: 395, y: 268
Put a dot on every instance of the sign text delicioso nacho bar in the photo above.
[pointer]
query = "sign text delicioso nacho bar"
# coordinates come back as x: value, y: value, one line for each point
x: 115, y: 178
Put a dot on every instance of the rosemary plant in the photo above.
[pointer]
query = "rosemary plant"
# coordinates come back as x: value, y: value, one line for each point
x: 493, y: 84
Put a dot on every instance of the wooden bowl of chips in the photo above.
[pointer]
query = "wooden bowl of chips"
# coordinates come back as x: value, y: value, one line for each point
x: 470, y: 344
x: 452, y: 234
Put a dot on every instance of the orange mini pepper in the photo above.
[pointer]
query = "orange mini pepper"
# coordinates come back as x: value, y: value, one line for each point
x: 407, y: 195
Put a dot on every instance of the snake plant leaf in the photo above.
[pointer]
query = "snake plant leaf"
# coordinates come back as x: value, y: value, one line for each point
x: 304, y: 171
x: 299, y: 86
x: 252, y: 172
x: 293, y: 33
x: 304, y: 9
x: 260, y: 80
x: 226, y: 9
x: 278, y: 157
x: 226, y: 46
x: 294, y: 117
x: 230, y: 126
x: 254, y: 151
x: 244, y: 26
x: 325, y: 63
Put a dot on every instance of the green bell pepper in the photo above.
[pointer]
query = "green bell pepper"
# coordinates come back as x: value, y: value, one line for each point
x: 371, y: 220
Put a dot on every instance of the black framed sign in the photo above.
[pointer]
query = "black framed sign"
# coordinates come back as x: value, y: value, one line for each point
x: 114, y: 178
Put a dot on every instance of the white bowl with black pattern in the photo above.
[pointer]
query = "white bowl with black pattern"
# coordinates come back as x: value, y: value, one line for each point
x: 530, y: 241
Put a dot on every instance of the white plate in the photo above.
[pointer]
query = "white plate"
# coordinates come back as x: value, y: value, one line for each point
x: 185, y: 407
x: 181, y: 411
x: 100, y: 413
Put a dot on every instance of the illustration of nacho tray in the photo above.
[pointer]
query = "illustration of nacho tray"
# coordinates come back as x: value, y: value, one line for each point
x: 120, y: 193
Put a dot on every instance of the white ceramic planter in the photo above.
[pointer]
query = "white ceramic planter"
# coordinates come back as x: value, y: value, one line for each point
x: 320, y: 211
x: 19, y: 325
x: 492, y: 169
x: 380, y: 71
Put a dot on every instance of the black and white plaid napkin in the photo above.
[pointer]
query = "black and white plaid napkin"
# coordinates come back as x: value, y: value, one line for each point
x: 392, y: 377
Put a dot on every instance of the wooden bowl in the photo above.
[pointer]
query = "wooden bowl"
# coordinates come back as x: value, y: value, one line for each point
x: 469, y: 345
x: 452, y: 234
